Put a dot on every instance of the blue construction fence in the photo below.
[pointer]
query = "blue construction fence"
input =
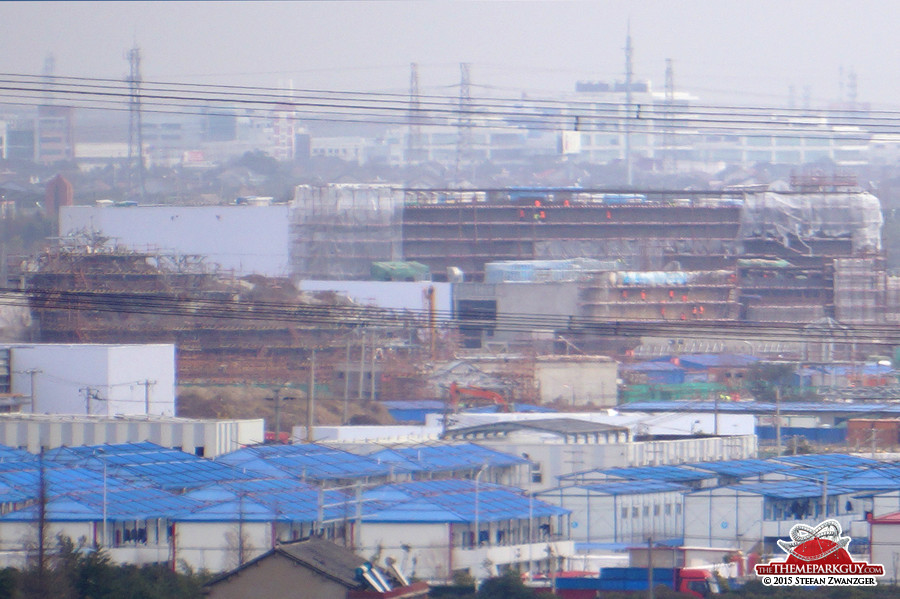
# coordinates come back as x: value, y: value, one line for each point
x: 824, y: 436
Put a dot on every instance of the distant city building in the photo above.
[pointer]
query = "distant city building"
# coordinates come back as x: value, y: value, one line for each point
x: 55, y: 134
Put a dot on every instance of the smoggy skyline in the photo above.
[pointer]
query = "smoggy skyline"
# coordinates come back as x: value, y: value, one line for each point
x: 729, y: 52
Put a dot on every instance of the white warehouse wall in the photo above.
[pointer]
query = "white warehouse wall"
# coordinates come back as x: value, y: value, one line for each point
x: 392, y: 295
x: 113, y: 374
x: 246, y: 239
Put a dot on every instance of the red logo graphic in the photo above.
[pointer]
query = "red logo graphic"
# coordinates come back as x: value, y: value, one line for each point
x: 818, y: 557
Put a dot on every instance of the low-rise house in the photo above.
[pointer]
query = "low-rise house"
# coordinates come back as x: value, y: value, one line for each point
x: 320, y: 569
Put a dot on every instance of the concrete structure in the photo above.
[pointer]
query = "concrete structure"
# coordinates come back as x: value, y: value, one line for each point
x: 244, y: 239
x: 97, y: 379
x: 208, y: 438
x: 577, y: 380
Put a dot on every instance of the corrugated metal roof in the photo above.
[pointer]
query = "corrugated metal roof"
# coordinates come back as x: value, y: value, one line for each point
x: 446, y: 457
x: 561, y: 426
x: 166, y: 468
x: 306, y: 462
x: 742, y: 468
x: 759, y: 407
x: 790, y: 489
x: 628, y: 487
x: 717, y: 360
x: 661, y: 473
x: 453, y: 501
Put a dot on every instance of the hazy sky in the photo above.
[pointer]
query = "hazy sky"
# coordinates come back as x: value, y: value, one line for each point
x: 739, y: 51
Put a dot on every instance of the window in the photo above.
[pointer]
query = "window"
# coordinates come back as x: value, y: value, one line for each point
x: 634, y: 512
x: 668, y: 509
x: 536, y: 475
x: 624, y: 513
x: 677, y: 509
x: 656, y: 510
x: 646, y: 511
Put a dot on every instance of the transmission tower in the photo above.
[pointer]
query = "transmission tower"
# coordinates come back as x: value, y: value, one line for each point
x: 49, y: 69
x: 629, y: 178
x: 669, y: 157
x: 851, y: 88
x: 135, y: 129
x: 464, y: 124
x: 414, y: 149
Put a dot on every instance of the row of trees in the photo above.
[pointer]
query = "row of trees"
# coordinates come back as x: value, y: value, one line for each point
x: 75, y: 571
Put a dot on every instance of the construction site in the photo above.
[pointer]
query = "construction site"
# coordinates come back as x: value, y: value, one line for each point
x: 808, y: 255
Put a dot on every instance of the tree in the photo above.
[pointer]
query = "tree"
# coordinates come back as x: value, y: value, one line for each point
x: 508, y: 586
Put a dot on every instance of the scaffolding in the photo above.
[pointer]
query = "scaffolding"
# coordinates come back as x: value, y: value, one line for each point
x: 338, y: 231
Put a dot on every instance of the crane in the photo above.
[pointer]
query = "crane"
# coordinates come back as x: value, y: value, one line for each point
x: 456, y: 392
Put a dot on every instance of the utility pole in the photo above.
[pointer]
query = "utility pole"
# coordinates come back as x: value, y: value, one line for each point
x: 872, y: 438
x: 629, y: 177
x: 362, y: 367
x: 650, y: 592
x: 311, y: 408
x: 147, y: 383
x: 276, y: 397
x: 89, y: 394
x: 346, y: 383
x: 372, y: 374
x: 778, y: 421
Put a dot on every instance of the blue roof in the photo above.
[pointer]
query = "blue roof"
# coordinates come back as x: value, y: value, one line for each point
x: 790, y: 489
x: 873, y: 479
x: 660, y: 473
x: 452, y: 501
x: 759, y: 407
x: 743, y: 468
x: 652, y: 366
x: 829, y: 461
x: 446, y: 457
x: 422, y: 404
x: 717, y: 360
x: 306, y: 462
x: 166, y: 468
x: 628, y: 487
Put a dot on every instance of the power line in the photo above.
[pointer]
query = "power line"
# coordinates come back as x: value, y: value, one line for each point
x: 387, y: 105
x: 351, y: 317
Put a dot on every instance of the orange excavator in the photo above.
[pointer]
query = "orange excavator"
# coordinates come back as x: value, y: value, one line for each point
x: 456, y: 392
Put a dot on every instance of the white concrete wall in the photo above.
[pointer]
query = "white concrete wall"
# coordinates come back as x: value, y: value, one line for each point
x: 427, y: 543
x: 246, y: 239
x: 598, y: 518
x: 214, y: 546
x: 723, y: 518
x: 885, y: 550
x: 577, y: 380
x: 214, y: 437
x: 664, y: 423
x: 17, y: 539
x: 556, y: 459
x: 392, y: 295
x: 113, y: 374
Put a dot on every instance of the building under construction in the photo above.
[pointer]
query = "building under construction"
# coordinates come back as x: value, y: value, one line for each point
x: 793, y: 255
x: 226, y: 329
